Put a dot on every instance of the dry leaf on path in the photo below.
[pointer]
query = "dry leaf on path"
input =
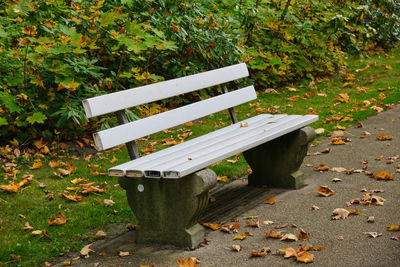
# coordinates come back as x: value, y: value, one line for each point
x: 335, y: 180
x: 322, y: 167
x: 273, y: 234
x: 314, y: 207
x: 236, y: 248
x: 383, y: 175
x: 393, y: 227
x: 281, y: 226
x: 303, y: 235
x: 338, y: 169
x: 190, y: 262
x: 233, y: 226
x: 373, y: 234
x: 86, y: 250
x: 242, y: 236
x: 289, y: 252
x: 254, y: 223
x: 213, y: 226
x: 325, y: 191
x: 268, y: 222
x: 270, y: 201
x: 289, y: 237
x: 61, y: 219
x: 383, y: 137
x: 305, y: 257
x: 340, y: 213
x: 371, y: 219
x: 261, y: 253
x: 101, y: 234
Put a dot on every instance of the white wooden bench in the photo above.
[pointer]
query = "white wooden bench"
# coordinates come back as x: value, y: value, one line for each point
x: 168, y: 204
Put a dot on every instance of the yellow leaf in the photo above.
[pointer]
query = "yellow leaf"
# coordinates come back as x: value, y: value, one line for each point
x: 36, y: 164
x: 223, y: 179
x: 190, y: 123
x: 13, y: 187
x: 213, y: 226
x: 36, y: 232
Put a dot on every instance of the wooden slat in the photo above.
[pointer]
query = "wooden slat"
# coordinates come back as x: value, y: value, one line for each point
x: 136, y: 129
x: 232, y: 147
x: 104, y: 104
x: 203, y: 140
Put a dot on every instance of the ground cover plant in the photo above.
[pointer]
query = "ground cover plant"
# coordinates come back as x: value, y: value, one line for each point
x: 367, y: 86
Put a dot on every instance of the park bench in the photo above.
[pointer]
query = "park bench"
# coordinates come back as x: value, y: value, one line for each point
x: 168, y: 190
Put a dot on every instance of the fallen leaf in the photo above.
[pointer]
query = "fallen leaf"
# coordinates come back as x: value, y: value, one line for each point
x: 124, y: 253
x: 213, y: 226
x: 289, y: 237
x: 383, y: 137
x: 27, y: 227
x: 223, y: 179
x: 75, y: 197
x: 108, y: 202
x: 305, y: 257
x: 242, y: 236
x: 37, y: 232
x: 64, y: 171
x: 67, y: 263
x: 101, y: 234
x: 289, y: 252
x: 303, y: 235
x: 190, y: 123
x: 61, y: 219
x: 37, y: 163
x: 244, y: 124
x: 338, y: 169
x: 190, y: 262
x: 335, y: 180
x: 343, y: 98
x: 79, y: 180
x: 395, y: 238
x: 337, y: 141
x: 371, y: 219
x: 53, y: 164
x: 254, y: 223
x: 322, y: 167
x: 273, y: 234
x: 281, y: 226
x: 13, y: 187
x: 325, y: 150
x: 319, y: 131
x: 393, y: 227
x: 114, y: 159
x: 86, y: 250
x: 260, y: 253
x: 236, y: 248
x: 233, y: 226
x: 325, y: 191
x: 373, y: 234
x: 340, y: 213
x: 340, y: 238
x: 268, y: 222
x: 383, y: 175
x: 270, y: 201
x: 354, y: 212
x: 315, y: 207
x: 271, y: 91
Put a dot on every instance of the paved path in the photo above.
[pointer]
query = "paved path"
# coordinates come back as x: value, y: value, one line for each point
x: 294, y: 207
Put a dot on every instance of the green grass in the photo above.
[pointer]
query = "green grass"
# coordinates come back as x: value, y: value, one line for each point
x: 90, y: 215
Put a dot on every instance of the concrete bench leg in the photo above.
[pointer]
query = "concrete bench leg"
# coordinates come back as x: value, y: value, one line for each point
x: 167, y: 210
x: 277, y: 163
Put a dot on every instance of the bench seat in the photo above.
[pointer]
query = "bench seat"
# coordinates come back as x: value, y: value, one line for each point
x: 191, y: 156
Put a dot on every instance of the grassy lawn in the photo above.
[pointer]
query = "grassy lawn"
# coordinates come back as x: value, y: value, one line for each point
x: 366, y: 86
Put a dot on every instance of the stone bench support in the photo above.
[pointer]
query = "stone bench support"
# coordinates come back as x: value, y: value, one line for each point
x: 167, y: 210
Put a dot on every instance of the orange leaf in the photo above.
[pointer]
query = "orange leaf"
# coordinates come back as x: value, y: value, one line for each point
x: 114, y: 159
x: 79, y: 180
x: 270, y: 201
x: 75, y: 198
x: 273, y: 234
x: 260, y: 253
x: 190, y: 262
x: 53, y: 164
x: 322, y: 167
x: 343, y: 98
x: 61, y: 219
x: 289, y: 252
x: 36, y: 164
x: 383, y: 137
x: 354, y: 212
x: 39, y: 143
x: 254, y: 223
x: 213, y: 226
x: 190, y: 123
x: 13, y: 187
x: 325, y: 191
x: 305, y: 257
x: 303, y: 235
x: 383, y: 175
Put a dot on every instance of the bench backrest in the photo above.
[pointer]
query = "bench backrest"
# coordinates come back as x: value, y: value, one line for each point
x: 145, y: 94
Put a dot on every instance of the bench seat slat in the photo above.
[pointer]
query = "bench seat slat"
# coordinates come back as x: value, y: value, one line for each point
x: 241, y: 134
x: 167, y: 152
x: 214, y: 146
x: 231, y: 149
x: 143, y: 127
x: 104, y: 104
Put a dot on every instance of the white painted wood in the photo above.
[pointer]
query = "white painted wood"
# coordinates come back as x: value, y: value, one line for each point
x: 136, y: 129
x: 215, y: 146
x: 120, y: 170
x: 231, y: 147
x: 104, y: 104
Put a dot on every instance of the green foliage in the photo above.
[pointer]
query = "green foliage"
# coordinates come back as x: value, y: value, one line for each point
x: 55, y: 53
